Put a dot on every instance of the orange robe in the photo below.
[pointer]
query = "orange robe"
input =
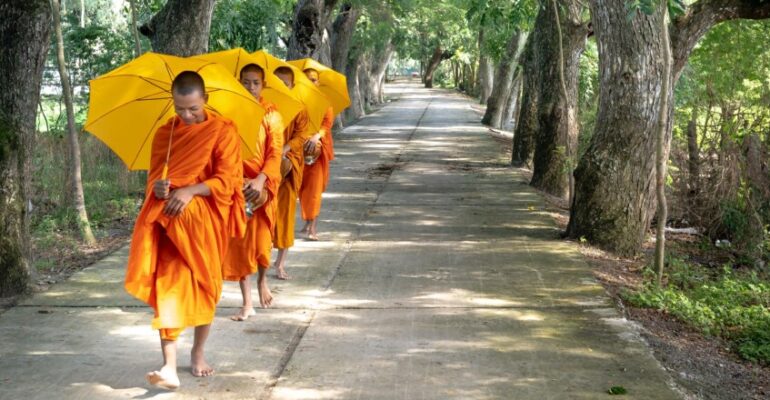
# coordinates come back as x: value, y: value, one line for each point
x: 175, y: 263
x: 315, y: 177
x: 252, y: 251
x: 295, y: 136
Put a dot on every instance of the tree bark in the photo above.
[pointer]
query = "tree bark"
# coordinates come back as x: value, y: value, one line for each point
x: 557, y: 109
x: 693, y: 160
x: 135, y: 30
x: 309, y: 38
x: 356, y: 109
x: 485, y: 78
x: 528, y: 122
x: 342, y: 31
x: 77, y: 198
x: 614, y: 179
x: 503, y: 79
x: 376, y: 75
x: 181, y: 27
x: 24, y: 31
x: 511, y: 115
x: 661, y: 150
x: 433, y: 64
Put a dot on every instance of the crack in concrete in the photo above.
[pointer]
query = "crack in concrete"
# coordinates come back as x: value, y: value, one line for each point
x: 300, y: 332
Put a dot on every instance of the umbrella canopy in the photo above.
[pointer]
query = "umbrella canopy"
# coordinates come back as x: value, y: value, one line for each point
x: 273, y: 91
x: 305, y: 90
x: 332, y: 83
x: 129, y: 103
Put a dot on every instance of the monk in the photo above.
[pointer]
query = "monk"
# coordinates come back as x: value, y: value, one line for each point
x: 316, y: 175
x: 252, y: 253
x: 182, y: 232
x: 295, y: 136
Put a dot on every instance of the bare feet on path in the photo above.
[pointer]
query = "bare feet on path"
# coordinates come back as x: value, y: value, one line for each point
x: 280, y: 273
x: 244, y: 313
x: 166, y: 378
x: 199, y: 367
x: 265, y: 296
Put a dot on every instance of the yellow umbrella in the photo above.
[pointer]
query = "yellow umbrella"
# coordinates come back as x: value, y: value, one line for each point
x: 129, y: 103
x: 273, y: 91
x: 332, y: 83
x: 305, y: 90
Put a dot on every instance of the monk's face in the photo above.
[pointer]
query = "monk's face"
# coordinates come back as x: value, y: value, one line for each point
x: 253, y: 82
x: 313, y: 76
x: 190, y: 107
x: 287, y: 79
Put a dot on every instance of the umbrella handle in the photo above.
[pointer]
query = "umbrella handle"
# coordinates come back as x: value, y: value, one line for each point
x: 168, y: 151
x: 165, y: 172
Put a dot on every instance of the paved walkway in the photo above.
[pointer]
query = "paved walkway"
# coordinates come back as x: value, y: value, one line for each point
x: 438, y: 278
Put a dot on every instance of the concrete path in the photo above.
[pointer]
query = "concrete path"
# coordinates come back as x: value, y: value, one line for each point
x: 438, y: 277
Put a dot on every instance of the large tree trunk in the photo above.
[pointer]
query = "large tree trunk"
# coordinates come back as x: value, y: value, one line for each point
x: 504, y: 76
x: 614, y: 179
x: 485, y: 78
x: 438, y: 56
x: 181, y: 27
x: 342, y: 31
x: 24, y: 31
x: 511, y: 115
x: 77, y: 197
x: 135, y: 30
x: 557, y: 136
x: 376, y: 75
x: 309, y: 38
x: 528, y: 122
x: 356, y: 109
x: 615, y: 182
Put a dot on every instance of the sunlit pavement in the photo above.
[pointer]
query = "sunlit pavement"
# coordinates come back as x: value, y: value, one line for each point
x: 438, y: 276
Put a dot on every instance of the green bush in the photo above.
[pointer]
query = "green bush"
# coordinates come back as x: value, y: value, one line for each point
x: 733, y: 306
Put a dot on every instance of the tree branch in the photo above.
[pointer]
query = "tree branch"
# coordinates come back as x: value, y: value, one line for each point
x: 689, y: 28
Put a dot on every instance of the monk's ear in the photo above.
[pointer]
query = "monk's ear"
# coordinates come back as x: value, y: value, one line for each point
x: 205, y: 98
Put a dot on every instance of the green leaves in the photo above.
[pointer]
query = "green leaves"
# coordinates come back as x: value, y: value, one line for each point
x: 648, y: 7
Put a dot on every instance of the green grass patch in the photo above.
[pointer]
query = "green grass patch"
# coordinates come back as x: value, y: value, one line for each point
x: 727, y: 303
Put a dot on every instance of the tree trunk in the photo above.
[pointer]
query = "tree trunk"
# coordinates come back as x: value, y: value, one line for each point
x: 485, y: 78
x: 435, y: 60
x: 309, y: 38
x: 135, y: 30
x: 376, y: 77
x: 181, y: 27
x: 614, y: 179
x: 76, y: 183
x: 661, y: 149
x: 356, y: 109
x: 504, y: 75
x: 24, y: 31
x: 511, y: 115
x: 615, y: 182
x: 557, y: 112
x: 693, y: 160
x: 527, y: 124
x: 342, y: 31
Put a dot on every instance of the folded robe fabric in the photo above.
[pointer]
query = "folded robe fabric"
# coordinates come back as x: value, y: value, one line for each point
x: 295, y: 136
x: 175, y: 263
x: 315, y: 177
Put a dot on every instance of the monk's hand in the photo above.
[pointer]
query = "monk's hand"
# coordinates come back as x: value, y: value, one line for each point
x: 312, y: 142
x: 161, y: 188
x: 253, y: 187
x: 286, y: 149
x: 178, y: 199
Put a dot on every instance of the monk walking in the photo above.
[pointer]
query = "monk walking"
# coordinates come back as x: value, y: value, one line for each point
x: 316, y: 174
x: 182, y: 232
x: 262, y: 176
x: 295, y: 136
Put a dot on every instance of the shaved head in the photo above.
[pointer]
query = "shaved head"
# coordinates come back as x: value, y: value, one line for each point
x: 253, y: 68
x: 188, y: 82
x: 286, y: 74
x: 313, y: 75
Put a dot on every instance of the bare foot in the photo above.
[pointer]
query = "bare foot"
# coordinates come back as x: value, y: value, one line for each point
x: 265, y: 297
x: 244, y: 314
x: 166, y: 378
x: 281, y: 274
x: 312, y: 237
x: 199, y: 367
x: 306, y: 228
